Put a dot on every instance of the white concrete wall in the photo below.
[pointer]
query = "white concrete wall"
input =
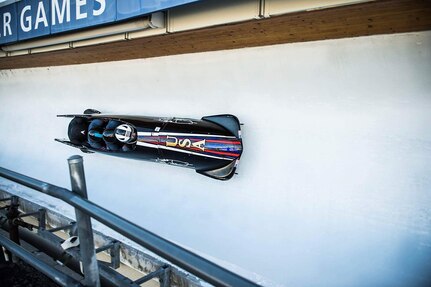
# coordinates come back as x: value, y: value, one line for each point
x: 334, y: 186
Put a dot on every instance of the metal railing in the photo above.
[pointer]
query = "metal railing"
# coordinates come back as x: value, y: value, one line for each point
x: 54, y: 274
x: 179, y: 256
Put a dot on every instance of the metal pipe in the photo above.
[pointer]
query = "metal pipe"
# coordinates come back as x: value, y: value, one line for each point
x: 85, y: 230
x: 11, y: 215
x: 158, y: 273
x: 55, y: 275
x: 28, y: 214
x: 65, y: 227
x: 178, y: 255
x: 49, y: 244
x: 19, y: 222
x: 106, y: 247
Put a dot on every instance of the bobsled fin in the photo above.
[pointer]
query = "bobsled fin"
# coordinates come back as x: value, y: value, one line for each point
x: 91, y: 111
x: 81, y: 147
x: 73, y: 116
x: 66, y: 142
x: 224, y: 173
x: 229, y: 122
x: 87, y: 114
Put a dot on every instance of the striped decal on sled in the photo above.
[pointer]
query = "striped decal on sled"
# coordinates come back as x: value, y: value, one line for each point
x: 212, y: 146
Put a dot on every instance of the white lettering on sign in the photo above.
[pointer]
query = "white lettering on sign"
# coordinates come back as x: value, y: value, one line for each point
x: 29, y: 19
x: 79, y: 4
x: 26, y: 27
x: 60, y: 12
x: 6, y: 24
x: 40, y: 16
x: 102, y: 8
x: 56, y: 13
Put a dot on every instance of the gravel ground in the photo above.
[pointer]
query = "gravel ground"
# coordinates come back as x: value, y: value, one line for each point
x: 22, y: 275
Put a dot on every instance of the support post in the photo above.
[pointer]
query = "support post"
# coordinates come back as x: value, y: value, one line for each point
x: 64, y: 228
x: 42, y: 219
x: 115, y: 255
x: 163, y: 273
x: 2, y: 257
x: 114, y: 251
x: 12, y: 214
x: 85, y: 231
x: 165, y: 278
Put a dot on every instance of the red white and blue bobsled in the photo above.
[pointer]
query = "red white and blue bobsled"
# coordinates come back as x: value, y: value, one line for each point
x: 212, y: 145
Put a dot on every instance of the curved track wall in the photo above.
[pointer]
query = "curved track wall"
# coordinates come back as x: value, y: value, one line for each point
x: 333, y: 186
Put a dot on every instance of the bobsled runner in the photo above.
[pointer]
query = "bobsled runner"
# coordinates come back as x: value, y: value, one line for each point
x: 212, y: 145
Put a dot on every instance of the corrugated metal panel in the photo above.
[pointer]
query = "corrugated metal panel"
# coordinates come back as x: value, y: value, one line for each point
x: 139, y: 24
x: 19, y: 53
x: 50, y: 48
x: 97, y: 41
x: 146, y: 33
x: 212, y: 12
x: 217, y: 12
x: 276, y: 7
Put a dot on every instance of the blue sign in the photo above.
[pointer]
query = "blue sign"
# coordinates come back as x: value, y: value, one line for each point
x: 131, y: 8
x: 83, y: 14
x: 8, y: 28
x: 29, y: 19
x: 33, y: 19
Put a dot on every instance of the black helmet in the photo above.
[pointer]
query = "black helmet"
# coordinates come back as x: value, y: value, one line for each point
x: 77, y: 130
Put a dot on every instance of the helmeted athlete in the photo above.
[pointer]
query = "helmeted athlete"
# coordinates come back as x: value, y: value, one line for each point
x: 95, y: 134
x: 125, y: 134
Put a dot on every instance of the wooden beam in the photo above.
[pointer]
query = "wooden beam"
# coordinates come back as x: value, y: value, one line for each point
x: 370, y: 18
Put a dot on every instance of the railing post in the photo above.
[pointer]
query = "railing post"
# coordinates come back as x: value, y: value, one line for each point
x: 42, y: 219
x: 115, y: 255
x: 2, y: 257
x: 165, y: 278
x: 13, y: 214
x: 85, y: 231
x: 183, y: 258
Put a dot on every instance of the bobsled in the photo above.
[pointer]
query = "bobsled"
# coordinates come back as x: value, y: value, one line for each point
x: 212, y: 145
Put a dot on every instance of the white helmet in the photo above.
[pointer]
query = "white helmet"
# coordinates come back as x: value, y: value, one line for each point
x: 123, y: 133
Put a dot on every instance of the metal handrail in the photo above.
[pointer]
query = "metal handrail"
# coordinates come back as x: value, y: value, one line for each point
x: 183, y: 258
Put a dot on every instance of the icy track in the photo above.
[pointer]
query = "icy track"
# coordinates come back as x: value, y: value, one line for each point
x: 334, y: 182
